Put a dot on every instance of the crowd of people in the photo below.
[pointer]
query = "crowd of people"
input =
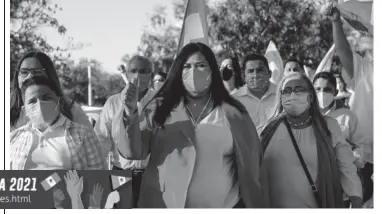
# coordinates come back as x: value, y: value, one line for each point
x: 204, y: 136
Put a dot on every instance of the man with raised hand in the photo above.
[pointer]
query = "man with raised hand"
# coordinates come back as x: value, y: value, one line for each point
x: 110, y: 127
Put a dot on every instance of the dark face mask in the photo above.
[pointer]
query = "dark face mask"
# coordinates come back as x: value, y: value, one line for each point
x: 227, y: 74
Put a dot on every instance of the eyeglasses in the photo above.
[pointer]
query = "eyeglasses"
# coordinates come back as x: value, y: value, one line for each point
x: 24, y: 72
x: 140, y: 71
x: 298, y: 90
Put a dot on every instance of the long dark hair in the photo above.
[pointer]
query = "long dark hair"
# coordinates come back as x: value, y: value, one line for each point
x: 16, y: 96
x: 173, y: 90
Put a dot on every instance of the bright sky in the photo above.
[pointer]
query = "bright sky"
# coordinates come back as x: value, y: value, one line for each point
x: 113, y: 28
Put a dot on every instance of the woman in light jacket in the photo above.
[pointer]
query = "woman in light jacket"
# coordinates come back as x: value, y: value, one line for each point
x: 204, y: 149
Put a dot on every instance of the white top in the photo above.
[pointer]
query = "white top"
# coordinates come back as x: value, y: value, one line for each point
x: 107, y: 133
x: 211, y: 185
x: 289, y: 186
x: 362, y: 102
x: 49, y: 149
x: 260, y: 110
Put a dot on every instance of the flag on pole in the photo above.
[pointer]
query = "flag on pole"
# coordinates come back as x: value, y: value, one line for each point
x: 50, y: 181
x: 195, y: 28
x: 326, y: 62
x: 358, y: 14
x: 275, y: 62
x: 117, y: 181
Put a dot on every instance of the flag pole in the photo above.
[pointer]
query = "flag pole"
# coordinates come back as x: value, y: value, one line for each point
x: 180, y: 44
x: 90, y: 91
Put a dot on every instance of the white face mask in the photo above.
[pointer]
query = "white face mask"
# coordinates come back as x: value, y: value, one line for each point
x: 325, y: 99
x: 42, y: 113
x: 196, y: 81
x: 295, y: 104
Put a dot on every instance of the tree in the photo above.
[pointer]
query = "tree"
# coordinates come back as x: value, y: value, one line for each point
x: 296, y: 27
x: 27, y: 17
x: 240, y: 27
x: 159, y: 40
x: 74, y: 81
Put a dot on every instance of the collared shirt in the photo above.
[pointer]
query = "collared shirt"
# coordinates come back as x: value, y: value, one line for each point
x: 362, y: 102
x: 49, y: 149
x: 260, y: 110
x: 106, y: 129
x: 83, y: 146
x: 348, y: 122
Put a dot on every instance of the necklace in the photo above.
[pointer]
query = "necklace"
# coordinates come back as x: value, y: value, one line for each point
x: 300, y: 124
x: 195, y: 122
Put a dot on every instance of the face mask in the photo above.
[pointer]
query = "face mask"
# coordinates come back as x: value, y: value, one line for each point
x: 196, y: 81
x: 42, y: 113
x: 295, y: 104
x: 257, y: 82
x: 158, y: 85
x: 325, y: 99
x: 227, y: 74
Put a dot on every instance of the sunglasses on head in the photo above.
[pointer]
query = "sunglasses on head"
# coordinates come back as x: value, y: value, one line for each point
x: 298, y: 90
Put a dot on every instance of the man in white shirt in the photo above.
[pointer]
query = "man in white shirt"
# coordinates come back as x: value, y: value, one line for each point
x: 357, y: 65
x: 258, y: 95
x: 111, y: 120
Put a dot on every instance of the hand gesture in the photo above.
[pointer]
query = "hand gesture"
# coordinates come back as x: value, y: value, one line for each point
x: 129, y: 95
x: 333, y: 13
x: 112, y: 199
x: 74, y: 184
x: 58, y: 198
x: 96, y: 197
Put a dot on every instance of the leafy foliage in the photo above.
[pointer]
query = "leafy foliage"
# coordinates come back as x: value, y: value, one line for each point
x: 74, y: 80
x: 27, y: 19
x: 297, y: 27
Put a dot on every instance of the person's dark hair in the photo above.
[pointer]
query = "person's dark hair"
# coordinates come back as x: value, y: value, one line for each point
x: 16, y: 97
x: 162, y: 74
x: 294, y: 60
x: 236, y: 71
x: 253, y: 57
x: 328, y: 76
x: 38, y: 80
x: 173, y: 90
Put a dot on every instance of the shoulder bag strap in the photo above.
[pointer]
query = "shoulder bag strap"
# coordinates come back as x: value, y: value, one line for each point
x: 303, y: 164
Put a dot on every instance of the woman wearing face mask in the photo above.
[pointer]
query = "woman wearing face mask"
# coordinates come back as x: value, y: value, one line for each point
x: 158, y: 80
x: 204, y: 152
x: 306, y: 158
x: 39, y: 64
x: 50, y: 141
x: 230, y: 72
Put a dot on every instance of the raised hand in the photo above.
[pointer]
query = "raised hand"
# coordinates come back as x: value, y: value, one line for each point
x: 58, y: 198
x: 333, y: 13
x: 112, y: 199
x: 96, y: 197
x: 74, y: 184
x: 129, y: 95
